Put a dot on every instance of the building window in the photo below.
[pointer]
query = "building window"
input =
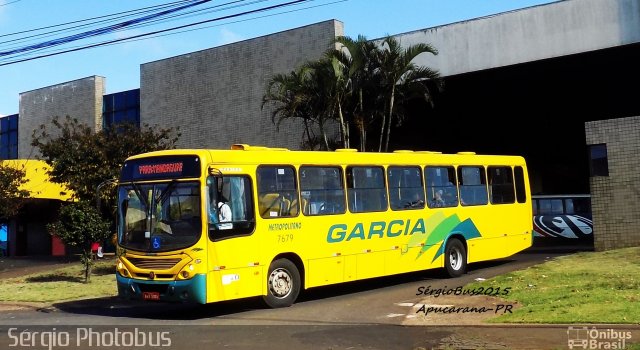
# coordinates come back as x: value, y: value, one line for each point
x: 9, y: 137
x: 598, y: 162
x: 121, y: 107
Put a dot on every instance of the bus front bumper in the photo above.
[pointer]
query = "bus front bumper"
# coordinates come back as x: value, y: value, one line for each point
x: 191, y: 290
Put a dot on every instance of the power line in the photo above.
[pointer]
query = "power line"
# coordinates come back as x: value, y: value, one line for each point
x: 232, y: 22
x: 167, y: 17
x: 99, y: 31
x: 10, y: 2
x: 127, y: 40
x: 110, y: 42
x: 88, y: 19
x: 173, y: 17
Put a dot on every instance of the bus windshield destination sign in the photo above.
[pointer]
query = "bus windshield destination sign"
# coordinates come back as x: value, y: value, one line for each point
x: 165, y: 168
x: 170, y: 167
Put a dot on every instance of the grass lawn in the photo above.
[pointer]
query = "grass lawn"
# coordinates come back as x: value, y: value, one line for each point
x: 66, y: 283
x: 589, y: 287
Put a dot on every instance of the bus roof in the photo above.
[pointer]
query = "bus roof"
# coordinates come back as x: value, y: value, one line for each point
x: 241, y: 153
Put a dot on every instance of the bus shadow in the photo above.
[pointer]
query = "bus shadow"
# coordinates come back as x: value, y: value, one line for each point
x: 118, y: 308
x: 389, y: 281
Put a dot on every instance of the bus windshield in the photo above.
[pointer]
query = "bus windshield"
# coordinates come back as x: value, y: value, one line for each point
x: 160, y: 216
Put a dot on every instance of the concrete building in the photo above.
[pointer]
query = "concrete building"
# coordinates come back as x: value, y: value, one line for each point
x: 80, y: 99
x: 521, y: 82
x: 214, y: 96
x: 615, y: 182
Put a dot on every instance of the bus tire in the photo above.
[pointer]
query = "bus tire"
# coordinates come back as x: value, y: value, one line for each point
x: 455, y: 258
x: 283, y: 284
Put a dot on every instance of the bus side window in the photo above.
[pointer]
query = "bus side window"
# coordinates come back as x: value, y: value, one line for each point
x: 277, y: 191
x: 405, y: 188
x: 441, y: 186
x: 366, y: 190
x: 323, y: 189
x: 473, y: 185
x: 582, y: 206
x: 237, y: 195
x: 501, y: 185
x: 521, y: 194
x: 551, y: 206
x: 568, y: 205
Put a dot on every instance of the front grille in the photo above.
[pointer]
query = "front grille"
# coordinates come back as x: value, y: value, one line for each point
x: 153, y: 264
x: 158, y: 275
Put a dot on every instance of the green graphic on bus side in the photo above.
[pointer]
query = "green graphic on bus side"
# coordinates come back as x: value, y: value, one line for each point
x: 443, y: 227
x: 432, y: 231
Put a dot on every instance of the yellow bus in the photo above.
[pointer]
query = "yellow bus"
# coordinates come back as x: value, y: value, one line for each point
x: 212, y: 225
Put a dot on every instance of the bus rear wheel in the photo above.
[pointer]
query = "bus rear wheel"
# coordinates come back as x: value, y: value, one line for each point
x: 455, y: 258
x: 283, y: 284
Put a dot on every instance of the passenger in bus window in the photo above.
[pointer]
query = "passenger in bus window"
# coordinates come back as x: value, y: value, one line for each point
x: 417, y: 201
x: 224, y: 211
x: 220, y: 214
x: 438, y: 202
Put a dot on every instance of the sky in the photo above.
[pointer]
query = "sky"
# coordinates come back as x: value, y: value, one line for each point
x: 120, y: 63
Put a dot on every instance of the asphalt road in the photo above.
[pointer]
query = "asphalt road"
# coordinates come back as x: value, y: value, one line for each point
x: 368, y: 314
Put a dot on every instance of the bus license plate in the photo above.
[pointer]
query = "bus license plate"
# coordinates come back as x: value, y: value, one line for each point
x: 151, y: 296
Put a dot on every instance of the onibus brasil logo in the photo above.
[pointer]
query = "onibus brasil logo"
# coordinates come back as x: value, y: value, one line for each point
x: 593, y: 338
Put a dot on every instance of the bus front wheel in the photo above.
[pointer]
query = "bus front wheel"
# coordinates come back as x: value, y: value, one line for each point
x: 283, y: 284
x: 455, y: 258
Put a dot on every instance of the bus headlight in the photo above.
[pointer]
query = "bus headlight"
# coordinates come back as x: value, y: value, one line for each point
x: 187, y: 271
x: 122, y: 269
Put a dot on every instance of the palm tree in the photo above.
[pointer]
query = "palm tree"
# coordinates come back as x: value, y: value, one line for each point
x: 330, y: 87
x: 355, y: 83
x: 292, y: 96
x: 359, y: 60
x: 403, y: 79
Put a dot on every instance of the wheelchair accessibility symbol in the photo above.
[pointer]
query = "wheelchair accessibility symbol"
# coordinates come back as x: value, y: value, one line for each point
x: 155, y: 242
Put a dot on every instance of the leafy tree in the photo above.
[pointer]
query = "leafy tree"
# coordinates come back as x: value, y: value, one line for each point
x: 288, y: 95
x: 358, y: 84
x: 305, y: 94
x: 83, y: 159
x: 329, y: 86
x: 360, y: 59
x: 11, y: 196
x: 402, y: 79
x: 79, y: 225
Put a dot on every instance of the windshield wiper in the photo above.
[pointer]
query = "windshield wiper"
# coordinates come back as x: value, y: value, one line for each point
x: 167, y: 191
x: 138, y: 191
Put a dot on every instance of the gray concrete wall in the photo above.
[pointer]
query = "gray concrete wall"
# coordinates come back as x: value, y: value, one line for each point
x: 614, y: 198
x: 214, y: 96
x: 535, y: 33
x: 80, y: 99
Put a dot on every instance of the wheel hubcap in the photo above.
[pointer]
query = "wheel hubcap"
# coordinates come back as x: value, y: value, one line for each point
x: 455, y: 259
x: 280, y: 283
